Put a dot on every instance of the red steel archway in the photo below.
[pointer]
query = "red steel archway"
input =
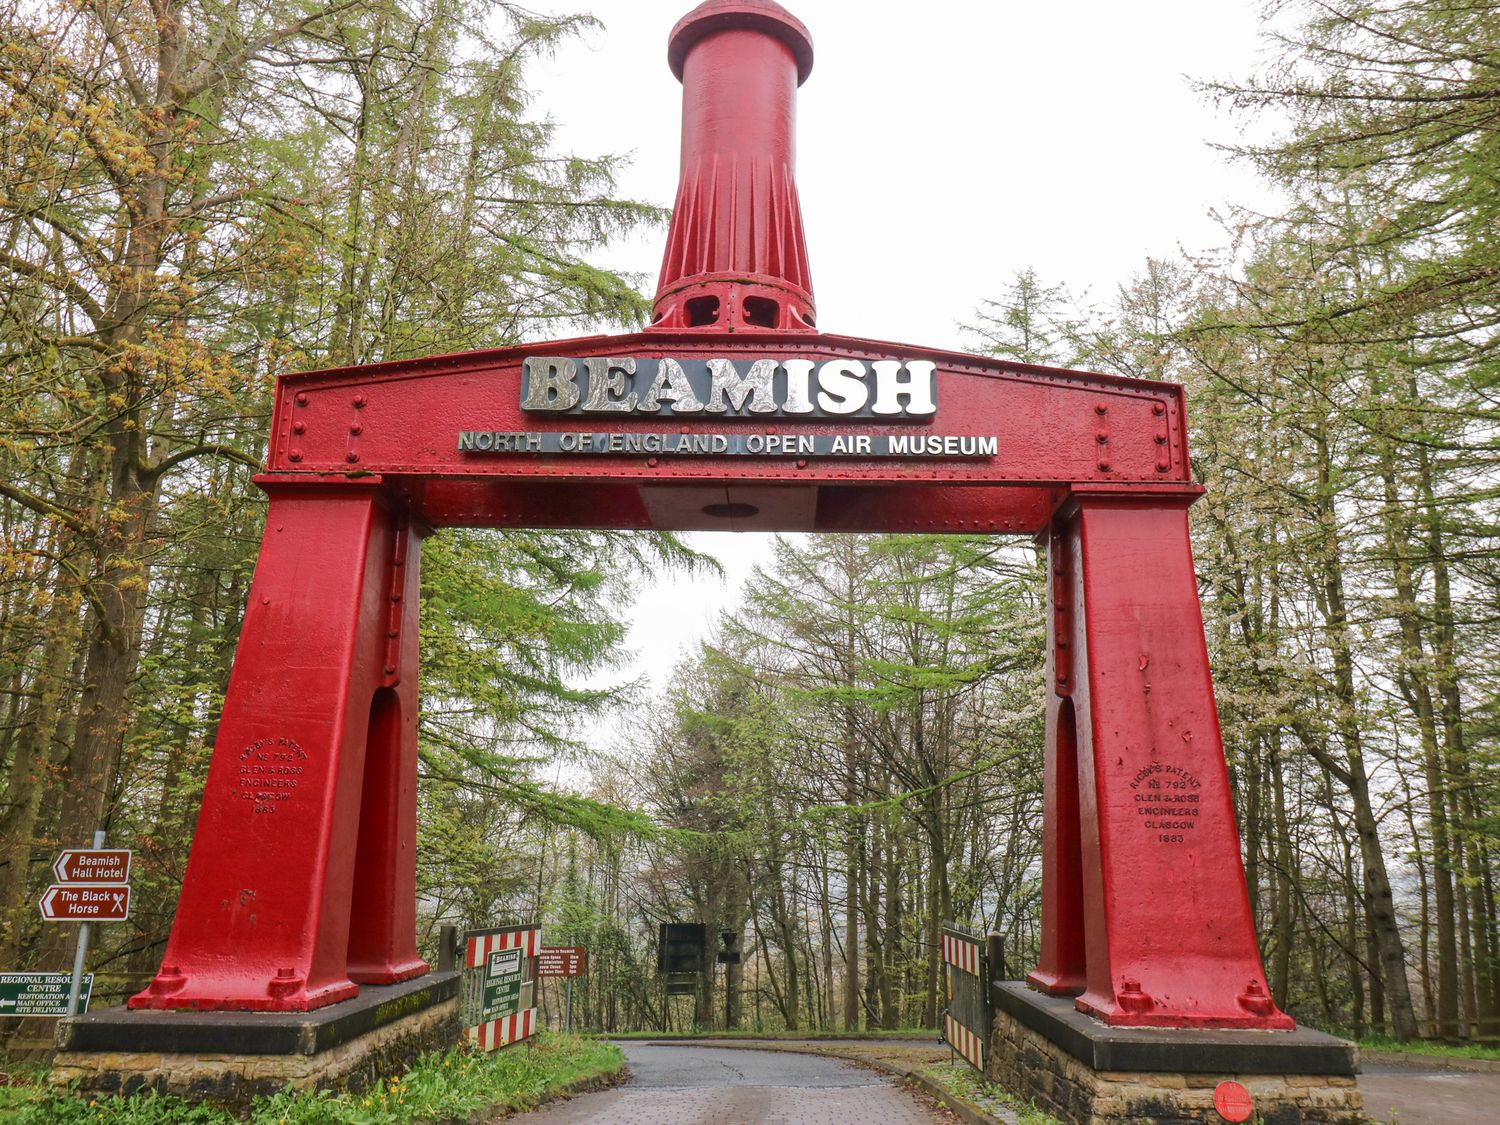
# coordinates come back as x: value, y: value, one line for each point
x: 730, y: 411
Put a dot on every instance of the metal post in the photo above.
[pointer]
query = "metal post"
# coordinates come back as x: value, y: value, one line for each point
x: 447, y: 948
x: 83, y: 948
x: 994, y: 973
x: 994, y: 950
x: 568, y: 1005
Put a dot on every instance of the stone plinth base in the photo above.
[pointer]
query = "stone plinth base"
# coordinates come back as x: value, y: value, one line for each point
x: 1043, y: 1050
x: 232, y: 1056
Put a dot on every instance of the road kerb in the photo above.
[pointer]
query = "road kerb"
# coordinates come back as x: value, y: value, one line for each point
x: 1417, y: 1060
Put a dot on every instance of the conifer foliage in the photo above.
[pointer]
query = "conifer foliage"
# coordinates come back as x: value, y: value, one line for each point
x: 194, y: 198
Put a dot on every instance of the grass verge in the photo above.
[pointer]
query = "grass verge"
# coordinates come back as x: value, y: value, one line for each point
x: 1428, y: 1047
x: 960, y: 1080
x: 453, y: 1085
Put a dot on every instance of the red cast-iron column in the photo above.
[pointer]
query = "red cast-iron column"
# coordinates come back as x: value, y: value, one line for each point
x: 1061, y: 960
x: 1145, y: 906
x: 302, y: 876
x: 736, y: 259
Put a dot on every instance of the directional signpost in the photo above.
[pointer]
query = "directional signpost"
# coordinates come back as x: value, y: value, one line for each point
x: 107, y: 903
x: 40, y: 994
x: 95, y: 865
x: 91, y: 887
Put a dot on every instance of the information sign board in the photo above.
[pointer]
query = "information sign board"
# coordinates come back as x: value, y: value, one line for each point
x: 560, y: 961
x: 41, y: 994
x: 502, y: 986
x: 497, y: 989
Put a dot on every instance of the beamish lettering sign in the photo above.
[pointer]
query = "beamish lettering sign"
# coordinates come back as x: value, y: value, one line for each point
x: 947, y: 447
x: 843, y: 388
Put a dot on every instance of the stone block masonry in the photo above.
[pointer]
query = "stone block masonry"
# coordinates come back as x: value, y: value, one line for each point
x: 1037, y: 1061
x: 231, y: 1057
x: 235, y: 1079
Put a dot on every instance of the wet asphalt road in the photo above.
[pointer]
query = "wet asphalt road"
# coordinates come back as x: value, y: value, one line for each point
x: 1429, y: 1097
x: 723, y: 1086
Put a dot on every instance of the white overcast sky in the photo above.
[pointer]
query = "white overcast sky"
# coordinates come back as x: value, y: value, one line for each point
x: 942, y: 147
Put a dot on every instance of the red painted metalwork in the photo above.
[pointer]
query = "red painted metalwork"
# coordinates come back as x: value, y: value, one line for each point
x: 301, y: 881
x: 1145, y: 908
x: 736, y: 259
x: 302, y: 876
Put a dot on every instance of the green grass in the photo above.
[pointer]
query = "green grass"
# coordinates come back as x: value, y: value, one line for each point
x: 442, y: 1086
x: 961, y: 1080
x: 1428, y: 1047
x: 741, y: 1033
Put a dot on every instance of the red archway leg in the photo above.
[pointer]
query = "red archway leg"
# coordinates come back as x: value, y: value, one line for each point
x: 383, y: 911
x: 1060, y: 966
x: 1170, y: 937
x: 263, y: 921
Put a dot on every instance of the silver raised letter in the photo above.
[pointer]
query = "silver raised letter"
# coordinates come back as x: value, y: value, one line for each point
x: 917, y: 388
x: 756, y: 386
x: 550, y: 384
x: 798, y: 376
x: 606, y: 382
x: 841, y: 386
x: 671, y: 383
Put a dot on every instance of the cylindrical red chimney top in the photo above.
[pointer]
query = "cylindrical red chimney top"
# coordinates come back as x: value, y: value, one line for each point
x: 736, y: 258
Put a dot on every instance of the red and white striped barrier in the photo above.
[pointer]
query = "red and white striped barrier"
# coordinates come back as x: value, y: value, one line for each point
x: 503, y: 1032
x: 520, y: 1025
x: 964, y: 1041
x: 961, y: 953
x: 478, y: 949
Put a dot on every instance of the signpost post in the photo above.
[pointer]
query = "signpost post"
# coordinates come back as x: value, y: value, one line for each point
x: 83, y: 944
x: 92, y: 886
x: 566, y: 961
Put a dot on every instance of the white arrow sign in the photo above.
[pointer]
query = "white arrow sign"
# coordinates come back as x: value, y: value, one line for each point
x: 86, y: 904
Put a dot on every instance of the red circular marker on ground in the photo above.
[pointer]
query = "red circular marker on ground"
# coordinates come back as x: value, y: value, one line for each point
x: 1232, y: 1101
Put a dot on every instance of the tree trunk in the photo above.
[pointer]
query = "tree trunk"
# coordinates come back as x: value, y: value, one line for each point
x: 1284, y: 922
x: 1412, y: 679
x: 1384, y: 925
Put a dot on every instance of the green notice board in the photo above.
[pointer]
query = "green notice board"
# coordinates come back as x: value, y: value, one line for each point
x: 41, y: 994
x: 501, y: 995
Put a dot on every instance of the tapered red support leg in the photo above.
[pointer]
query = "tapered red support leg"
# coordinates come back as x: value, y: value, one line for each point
x: 1168, y: 933
x: 383, y: 909
x: 263, y: 922
x: 1060, y: 966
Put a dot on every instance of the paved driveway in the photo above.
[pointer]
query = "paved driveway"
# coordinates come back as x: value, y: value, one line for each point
x: 724, y: 1086
x: 1413, y: 1096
